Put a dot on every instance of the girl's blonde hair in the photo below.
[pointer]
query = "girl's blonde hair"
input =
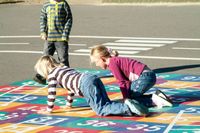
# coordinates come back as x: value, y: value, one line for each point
x: 102, y: 51
x: 45, y: 65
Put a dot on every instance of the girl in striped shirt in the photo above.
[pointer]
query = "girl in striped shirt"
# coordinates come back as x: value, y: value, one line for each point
x: 83, y: 84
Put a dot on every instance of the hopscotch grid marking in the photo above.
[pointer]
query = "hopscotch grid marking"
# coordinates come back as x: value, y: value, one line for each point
x: 186, y: 129
x: 173, y: 122
x: 49, y: 124
x: 25, y: 122
x: 188, y: 125
x: 23, y: 96
x: 18, y: 88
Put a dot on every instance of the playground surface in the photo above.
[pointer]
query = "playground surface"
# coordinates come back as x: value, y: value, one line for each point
x: 20, y: 101
x: 159, y: 36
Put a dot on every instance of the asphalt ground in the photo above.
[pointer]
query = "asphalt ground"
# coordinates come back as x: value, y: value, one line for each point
x: 175, y: 28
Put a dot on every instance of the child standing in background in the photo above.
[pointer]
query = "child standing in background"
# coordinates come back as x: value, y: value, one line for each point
x: 134, y: 78
x: 55, y: 27
x: 86, y: 85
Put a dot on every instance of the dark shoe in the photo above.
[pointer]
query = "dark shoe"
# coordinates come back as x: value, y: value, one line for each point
x: 38, y: 78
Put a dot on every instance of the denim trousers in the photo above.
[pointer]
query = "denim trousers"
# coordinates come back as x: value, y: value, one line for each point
x: 95, y: 94
x: 61, y: 47
x: 138, y: 87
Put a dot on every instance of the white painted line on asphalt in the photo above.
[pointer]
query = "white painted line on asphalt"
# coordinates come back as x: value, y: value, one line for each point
x: 173, y: 122
x: 120, y: 52
x: 127, y: 52
x: 147, y: 57
x: 147, y: 41
x: 183, y: 48
x: 162, y: 57
x: 152, y: 4
x: 78, y: 44
x: 129, y: 48
x: 29, y: 43
x: 145, y: 38
x: 24, y: 52
x: 133, y: 44
x: 82, y: 54
x: 83, y: 50
x: 14, y: 43
x: 29, y: 36
x: 111, y: 37
x: 133, y: 56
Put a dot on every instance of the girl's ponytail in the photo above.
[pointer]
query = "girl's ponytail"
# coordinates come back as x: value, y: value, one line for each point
x: 112, y: 52
x: 102, y: 51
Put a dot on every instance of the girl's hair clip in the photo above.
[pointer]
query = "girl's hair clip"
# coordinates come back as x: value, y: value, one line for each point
x: 109, y: 50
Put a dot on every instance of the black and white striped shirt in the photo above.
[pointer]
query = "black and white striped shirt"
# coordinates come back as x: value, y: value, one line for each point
x: 66, y: 77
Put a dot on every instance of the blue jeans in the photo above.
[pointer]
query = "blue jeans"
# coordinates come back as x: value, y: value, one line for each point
x: 60, y: 47
x: 138, y: 87
x: 95, y: 94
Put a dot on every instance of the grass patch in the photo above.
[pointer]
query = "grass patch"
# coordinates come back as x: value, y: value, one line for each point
x: 147, y: 1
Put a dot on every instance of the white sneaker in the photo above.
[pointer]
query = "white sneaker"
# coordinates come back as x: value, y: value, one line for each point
x: 136, y: 108
x: 160, y: 102
x: 161, y: 94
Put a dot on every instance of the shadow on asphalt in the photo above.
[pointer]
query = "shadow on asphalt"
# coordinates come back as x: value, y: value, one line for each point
x: 12, y: 2
x: 175, y: 68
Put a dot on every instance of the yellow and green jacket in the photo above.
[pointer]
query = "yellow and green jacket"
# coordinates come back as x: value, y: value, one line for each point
x: 56, y: 20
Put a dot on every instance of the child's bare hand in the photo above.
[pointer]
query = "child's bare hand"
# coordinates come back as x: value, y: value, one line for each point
x: 43, y: 37
x: 44, y: 112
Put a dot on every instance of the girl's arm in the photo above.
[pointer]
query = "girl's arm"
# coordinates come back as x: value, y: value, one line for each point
x: 123, y: 82
x: 68, y: 24
x: 52, y: 82
x: 43, y: 23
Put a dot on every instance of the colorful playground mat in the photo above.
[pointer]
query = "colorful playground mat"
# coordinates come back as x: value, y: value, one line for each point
x: 20, y: 101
